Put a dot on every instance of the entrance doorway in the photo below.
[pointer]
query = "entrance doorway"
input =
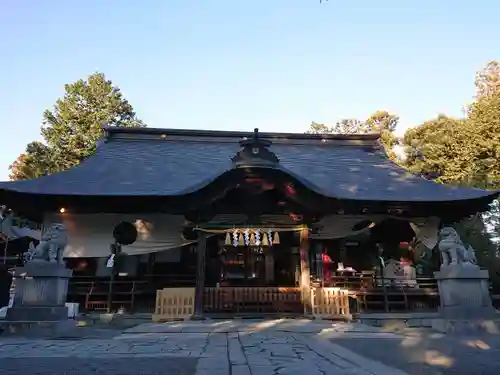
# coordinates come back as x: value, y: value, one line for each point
x: 253, y: 280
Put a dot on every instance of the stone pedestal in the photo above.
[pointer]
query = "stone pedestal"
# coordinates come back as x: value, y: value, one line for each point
x: 465, y: 302
x: 40, y: 295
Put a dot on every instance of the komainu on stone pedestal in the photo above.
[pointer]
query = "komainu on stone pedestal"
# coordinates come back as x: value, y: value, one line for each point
x: 463, y: 285
x: 42, y: 283
x: 51, y: 246
x: 453, y: 251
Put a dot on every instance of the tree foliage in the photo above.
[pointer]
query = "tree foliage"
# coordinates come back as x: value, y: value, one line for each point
x: 466, y: 152
x: 452, y: 151
x: 488, y: 80
x: 462, y: 151
x: 380, y: 122
x: 33, y: 163
x: 440, y: 149
x: 71, y: 129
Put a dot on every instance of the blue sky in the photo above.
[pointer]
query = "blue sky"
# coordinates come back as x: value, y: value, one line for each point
x: 235, y: 64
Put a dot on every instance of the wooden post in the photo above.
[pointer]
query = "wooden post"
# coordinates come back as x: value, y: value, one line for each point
x: 201, y: 250
x: 305, y: 273
x: 318, y: 250
x: 116, y: 249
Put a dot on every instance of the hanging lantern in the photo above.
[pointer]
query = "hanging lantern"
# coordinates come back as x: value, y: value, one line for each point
x: 257, y: 238
x: 228, y: 239
x: 252, y: 239
x: 265, y: 242
x: 276, y: 240
x: 241, y: 240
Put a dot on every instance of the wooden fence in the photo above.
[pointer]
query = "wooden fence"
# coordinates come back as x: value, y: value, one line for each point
x: 174, y: 304
x: 178, y: 303
x: 330, y: 303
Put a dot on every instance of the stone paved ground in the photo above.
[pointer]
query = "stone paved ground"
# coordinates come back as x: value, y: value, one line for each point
x: 431, y: 354
x: 82, y: 366
x: 201, y: 348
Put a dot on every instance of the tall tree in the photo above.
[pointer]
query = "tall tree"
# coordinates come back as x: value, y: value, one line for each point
x: 349, y: 126
x: 488, y: 80
x: 466, y: 151
x: 316, y: 128
x: 345, y: 126
x: 36, y: 161
x: 440, y: 149
x: 381, y: 122
x: 385, y: 123
x: 484, y: 121
x: 72, y: 128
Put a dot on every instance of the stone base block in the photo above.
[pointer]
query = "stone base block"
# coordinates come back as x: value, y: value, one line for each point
x: 38, y: 329
x: 464, y: 290
x: 41, y: 284
x: 463, y: 326
x: 468, y: 313
x: 37, y: 313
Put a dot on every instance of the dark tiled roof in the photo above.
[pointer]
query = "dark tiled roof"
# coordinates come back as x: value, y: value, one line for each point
x: 162, y: 162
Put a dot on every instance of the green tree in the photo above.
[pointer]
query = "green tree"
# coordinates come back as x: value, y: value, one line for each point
x: 345, y: 126
x: 484, y: 121
x: 36, y: 161
x: 71, y: 129
x: 462, y: 151
x: 316, y: 128
x: 380, y: 122
x: 466, y: 152
x: 385, y: 123
x: 349, y: 126
x: 440, y: 149
x: 488, y: 80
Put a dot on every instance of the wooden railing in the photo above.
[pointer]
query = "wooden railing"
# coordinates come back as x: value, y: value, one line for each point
x: 248, y: 300
x: 132, y: 294
x: 174, y: 304
x: 366, y: 294
x: 375, y: 294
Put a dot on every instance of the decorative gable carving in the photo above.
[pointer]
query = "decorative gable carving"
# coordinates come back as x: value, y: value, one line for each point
x: 255, y: 152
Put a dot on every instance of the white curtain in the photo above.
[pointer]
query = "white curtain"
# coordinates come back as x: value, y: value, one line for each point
x: 90, y: 235
x: 427, y: 231
x: 339, y: 226
x: 12, y: 232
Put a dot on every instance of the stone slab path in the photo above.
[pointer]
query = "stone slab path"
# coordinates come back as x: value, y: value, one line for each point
x: 233, y: 347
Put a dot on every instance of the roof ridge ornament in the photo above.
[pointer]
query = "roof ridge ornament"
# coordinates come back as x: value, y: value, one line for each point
x: 255, y: 152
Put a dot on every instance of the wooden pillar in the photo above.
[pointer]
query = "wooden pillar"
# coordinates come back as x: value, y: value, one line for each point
x: 305, y: 273
x: 201, y: 250
x: 318, y: 251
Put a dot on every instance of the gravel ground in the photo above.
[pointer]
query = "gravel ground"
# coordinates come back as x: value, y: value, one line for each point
x: 431, y: 355
x: 81, y: 366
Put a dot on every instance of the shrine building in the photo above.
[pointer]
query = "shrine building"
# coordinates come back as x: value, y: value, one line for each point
x: 251, y: 222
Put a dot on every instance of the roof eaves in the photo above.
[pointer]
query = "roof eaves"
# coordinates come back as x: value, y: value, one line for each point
x: 113, y: 130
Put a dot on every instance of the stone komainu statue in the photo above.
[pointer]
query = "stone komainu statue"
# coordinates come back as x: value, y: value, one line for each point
x: 453, y: 250
x: 51, y: 246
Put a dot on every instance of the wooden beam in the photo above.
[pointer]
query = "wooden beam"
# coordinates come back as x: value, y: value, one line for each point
x: 201, y: 250
x: 305, y: 272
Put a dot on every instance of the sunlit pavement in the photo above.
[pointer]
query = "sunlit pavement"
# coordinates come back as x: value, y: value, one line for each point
x: 251, y: 347
x: 236, y: 347
x: 432, y: 354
